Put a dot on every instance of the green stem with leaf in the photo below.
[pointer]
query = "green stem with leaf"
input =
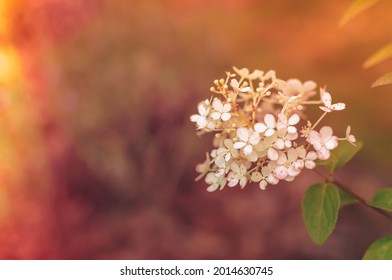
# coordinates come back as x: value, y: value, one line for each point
x: 360, y: 199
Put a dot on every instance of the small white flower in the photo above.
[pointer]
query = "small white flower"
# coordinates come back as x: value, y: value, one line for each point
x: 221, y: 110
x: 267, y: 144
x: 201, y: 119
x: 227, y: 151
x: 305, y: 159
x: 221, y: 163
x: 287, y: 124
x: 268, y: 127
x: 203, y: 109
x: 270, y: 75
x: 327, y: 101
x: 215, y: 182
x: 295, y: 87
x: 285, y: 165
x: 349, y: 137
x: 284, y: 139
x: 244, y: 73
x: 237, y: 175
x: 262, y: 177
x: 248, y: 139
x: 323, y: 142
x: 236, y: 86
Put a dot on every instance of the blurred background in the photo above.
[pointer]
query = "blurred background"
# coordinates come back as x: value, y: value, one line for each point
x: 97, y: 152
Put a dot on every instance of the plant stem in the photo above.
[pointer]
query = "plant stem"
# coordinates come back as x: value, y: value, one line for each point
x: 350, y: 192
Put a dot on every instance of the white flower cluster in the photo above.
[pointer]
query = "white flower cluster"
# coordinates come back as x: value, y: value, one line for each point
x: 255, y: 118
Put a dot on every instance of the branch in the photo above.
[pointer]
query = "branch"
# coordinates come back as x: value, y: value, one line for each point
x: 356, y: 196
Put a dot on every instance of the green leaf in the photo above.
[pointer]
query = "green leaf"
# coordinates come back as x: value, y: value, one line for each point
x: 345, y: 198
x: 340, y: 156
x: 379, y: 56
x: 320, y: 207
x: 383, y: 80
x: 356, y: 8
x: 381, y: 249
x: 382, y: 199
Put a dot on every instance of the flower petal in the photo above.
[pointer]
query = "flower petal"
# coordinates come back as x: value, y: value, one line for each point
x: 211, y: 178
x: 280, y: 172
x: 211, y: 125
x: 217, y: 104
x: 313, y: 137
x: 325, y: 98
x: 254, y: 138
x: 292, y: 154
x: 242, y: 169
x: 348, y: 130
x: 219, y: 173
x: 243, y: 182
x: 194, y: 118
x: 272, y: 179
x: 311, y: 155
x: 279, y: 144
x: 308, y: 86
x: 225, y: 116
x: 243, y: 134
x: 331, y: 143
x: 282, y: 118
x: 260, y: 127
x: 216, y: 115
x: 203, y: 109
x: 281, y: 127
x: 325, y: 109
x: 233, y: 182
x: 226, y: 108
x: 269, y: 132
x: 220, y: 162
x: 248, y: 149
x: 245, y: 89
x: 263, y: 184
x: 228, y: 143
x: 309, y: 164
x: 236, y: 168
x: 234, y: 83
x: 338, y: 106
x: 201, y: 122
x: 269, y: 120
x: 294, y: 119
x: 323, y: 153
x: 272, y: 154
x: 256, y: 176
x: 301, y: 152
x: 282, y: 158
x: 292, y: 136
x: 291, y: 129
x: 351, y: 139
x: 213, y: 187
x: 299, y: 164
x: 293, y: 172
x: 239, y: 145
x: 266, y: 171
x: 252, y: 157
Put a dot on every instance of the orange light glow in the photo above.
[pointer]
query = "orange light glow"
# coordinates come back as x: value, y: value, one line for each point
x: 5, y: 7
x: 8, y: 64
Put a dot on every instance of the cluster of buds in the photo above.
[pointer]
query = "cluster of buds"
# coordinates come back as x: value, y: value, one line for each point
x: 256, y: 119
